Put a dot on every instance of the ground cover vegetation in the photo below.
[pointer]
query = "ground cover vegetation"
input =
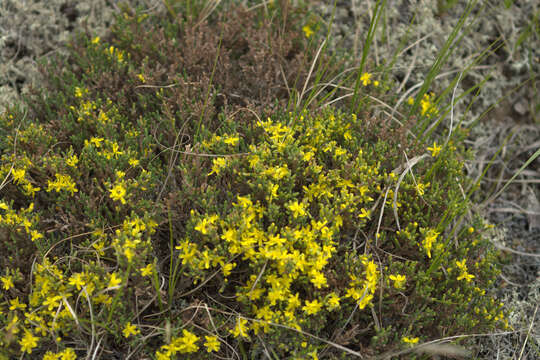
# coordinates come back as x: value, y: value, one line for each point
x: 190, y: 186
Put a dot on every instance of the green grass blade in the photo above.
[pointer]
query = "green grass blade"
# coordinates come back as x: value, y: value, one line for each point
x: 441, y: 58
x: 379, y: 7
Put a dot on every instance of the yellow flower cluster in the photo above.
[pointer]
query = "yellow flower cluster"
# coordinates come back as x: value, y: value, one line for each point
x: 218, y: 164
x: 97, y: 112
x: 365, y: 78
x: 128, y: 241
x: 18, y: 167
x: 427, y: 106
x: 51, y: 307
x: 85, y: 110
x: 22, y: 218
x: 120, y: 189
x: 118, y: 192
x: 80, y: 92
x: 294, y: 202
x: 111, y: 149
x: 464, y: 275
x: 223, y: 142
x: 67, y: 354
x: 115, y: 54
x: 293, y: 239
x: 72, y: 160
x: 186, y: 344
x: 62, y: 182
x: 362, y: 290
x: 429, y: 238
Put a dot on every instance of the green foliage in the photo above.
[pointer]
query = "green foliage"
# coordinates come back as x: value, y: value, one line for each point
x: 148, y: 209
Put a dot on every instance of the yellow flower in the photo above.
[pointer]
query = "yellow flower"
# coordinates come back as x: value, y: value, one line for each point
x: 28, y: 342
x: 7, y: 281
x: 15, y: 304
x: 408, y: 340
x: 114, y: 280
x: 218, y: 164
x: 35, y: 235
x: 77, y: 280
x: 308, y: 31
x: 294, y: 301
x: 68, y: 354
x: 312, y: 307
x: 363, y: 190
x: 141, y: 77
x: 333, y: 301
x: 273, y: 192
x: 118, y: 192
x: 96, y: 141
x: 399, y: 280
x: 162, y: 356
x: 231, y: 140
x: 318, y: 279
x: 240, y: 329
x: 307, y: 156
x: 421, y: 188
x: 212, y: 343
x: 297, y: 209
x: 186, y: 344
x: 95, y: 40
x: 227, y: 268
x: 470, y: 230
x: 18, y: 175
x: 133, y: 162
x: 205, y: 260
x: 364, y: 213
x: 435, y: 149
x: 274, y: 295
x: 78, y: 92
x: 188, y: 251
x: 72, y: 161
x: 50, y: 356
x: 130, y: 329
x: 465, y: 275
x: 147, y: 270
x: 366, y: 79
x: 428, y: 241
x: 52, y: 302
x: 202, y: 226
x: 115, y: 149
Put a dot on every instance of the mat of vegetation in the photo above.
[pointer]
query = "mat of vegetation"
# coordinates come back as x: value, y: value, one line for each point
x: 175, y: 187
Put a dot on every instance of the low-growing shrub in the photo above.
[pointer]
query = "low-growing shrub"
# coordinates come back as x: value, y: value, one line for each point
x: 160, y: 200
